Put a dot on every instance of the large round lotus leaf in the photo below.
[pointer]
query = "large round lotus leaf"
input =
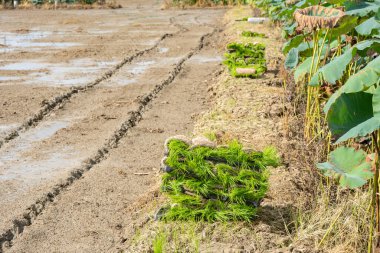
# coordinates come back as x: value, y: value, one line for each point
x: 314, y: 17
x: 348, y: 111
x: 355, y: 114
x: 349, y: 166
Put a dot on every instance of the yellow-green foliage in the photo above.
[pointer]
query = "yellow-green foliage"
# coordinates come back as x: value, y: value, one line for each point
x: 252, y: 34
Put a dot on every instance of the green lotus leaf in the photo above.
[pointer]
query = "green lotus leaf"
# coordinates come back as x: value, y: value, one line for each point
x: 345, y: 25
x: 362, y: 129
x: 368, y: 44
x: 303, y: 69
x: 291, y: 60
x: 354, y: 114
x: 290, y: 29
x: 370, y: 125
x: 348, y: 111
x: 294, y: 42
x: 305, y: 46
x: 335, y: 69
x: 349, y: 166
x: 368, y: 26
x: 365, y: 78
x: 305, y: 49
x: 361, y: 8
x: 361, y: 81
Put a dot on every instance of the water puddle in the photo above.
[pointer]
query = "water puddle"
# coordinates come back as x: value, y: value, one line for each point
x: 62, y: 74
x: 9, y: 78
x: 141, y: 67
x: 29, y: 172
x: 147, y: 43
x: 100, y: 31
x: 206, y: 59
x: 29, y: 65
x: 44, y: 131
x: 6, y: 128
x: 138, y: 71
x: 19, y: 41
x: 47, y: 130
x: 163, y: 50
x: 13, y: 158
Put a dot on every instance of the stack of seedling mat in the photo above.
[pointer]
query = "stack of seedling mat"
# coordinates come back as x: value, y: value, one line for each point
x: 213, y: 183
x: 252, y: 34
x: 246, y: 60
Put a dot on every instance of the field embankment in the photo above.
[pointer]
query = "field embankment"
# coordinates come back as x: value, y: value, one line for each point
x: 257, y: 112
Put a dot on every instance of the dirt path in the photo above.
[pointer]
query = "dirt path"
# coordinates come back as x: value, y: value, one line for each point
x: 113, y: 121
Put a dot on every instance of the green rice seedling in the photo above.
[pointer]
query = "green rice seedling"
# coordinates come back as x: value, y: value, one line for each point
x: 246, y: 60
x: 215, y: 184
x: 252, y: 34
x: 159, y: 243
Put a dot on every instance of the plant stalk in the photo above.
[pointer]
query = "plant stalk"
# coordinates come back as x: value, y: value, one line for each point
x: 376, y: 197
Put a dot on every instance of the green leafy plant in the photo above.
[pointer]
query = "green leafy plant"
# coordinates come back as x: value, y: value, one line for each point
x: 349, y: 166
x: 355, y: 114
x: 336, y: 57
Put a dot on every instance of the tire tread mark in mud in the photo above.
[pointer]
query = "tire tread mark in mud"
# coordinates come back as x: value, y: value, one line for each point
x: 6, y: 237
x: 59, y: 101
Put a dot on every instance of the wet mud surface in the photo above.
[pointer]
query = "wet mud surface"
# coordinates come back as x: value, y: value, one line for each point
x: 97, y: 92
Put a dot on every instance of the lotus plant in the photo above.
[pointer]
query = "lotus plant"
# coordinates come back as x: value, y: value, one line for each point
x: 319, y: 21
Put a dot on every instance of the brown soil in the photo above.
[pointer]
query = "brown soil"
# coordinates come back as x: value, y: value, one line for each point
x: 112, y: 123
x: 79, y: 159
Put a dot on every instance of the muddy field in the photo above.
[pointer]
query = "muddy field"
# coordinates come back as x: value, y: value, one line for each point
x: 99, y: 90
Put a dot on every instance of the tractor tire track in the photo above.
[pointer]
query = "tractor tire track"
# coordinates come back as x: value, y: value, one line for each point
x: 59, y: 101
x: 7, y: 237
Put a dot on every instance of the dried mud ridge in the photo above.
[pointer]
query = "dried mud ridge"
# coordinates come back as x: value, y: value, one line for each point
x: 60, y: 100
x: 135, y: 116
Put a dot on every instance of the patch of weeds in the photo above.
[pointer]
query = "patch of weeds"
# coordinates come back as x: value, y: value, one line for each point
x: 215, y: 184
x: 252, y: 34
x: 246, y: 60
x: 242, y: 19
x: 231, y: 102
x: 211, y: 136
x: 159, y: 243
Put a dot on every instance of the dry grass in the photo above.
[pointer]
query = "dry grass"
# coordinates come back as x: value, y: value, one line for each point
x: 339, y: 221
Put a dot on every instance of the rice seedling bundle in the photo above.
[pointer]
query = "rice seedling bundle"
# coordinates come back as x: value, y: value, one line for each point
x: 246, y: 56
x: 210, y: 183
